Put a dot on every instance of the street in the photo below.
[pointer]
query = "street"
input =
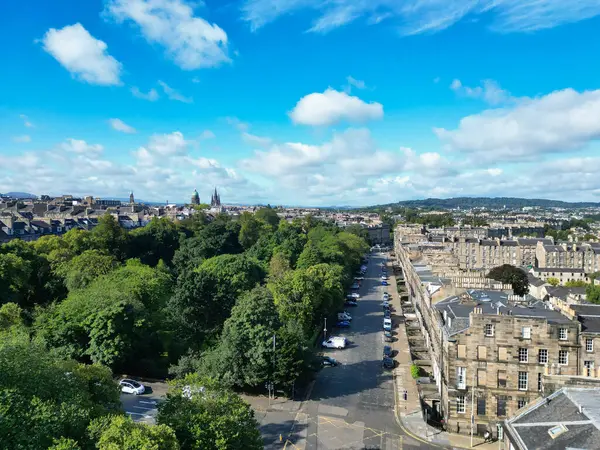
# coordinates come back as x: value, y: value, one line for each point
x: 352, y: 405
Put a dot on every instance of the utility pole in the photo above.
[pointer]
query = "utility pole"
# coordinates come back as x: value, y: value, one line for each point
x: 274, y: 366
x: 325, y: 329
x: 472, y: 408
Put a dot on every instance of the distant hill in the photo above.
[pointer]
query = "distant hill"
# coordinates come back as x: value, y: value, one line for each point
x: 487, y: 202
x: 18, y: 195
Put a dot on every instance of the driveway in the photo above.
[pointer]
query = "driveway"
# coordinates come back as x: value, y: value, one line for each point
x: 143, y: 408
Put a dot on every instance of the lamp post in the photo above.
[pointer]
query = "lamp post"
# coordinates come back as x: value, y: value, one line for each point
x: 325, y: 329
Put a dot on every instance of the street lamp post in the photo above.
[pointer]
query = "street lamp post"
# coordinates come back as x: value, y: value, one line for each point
x: 325, y: 329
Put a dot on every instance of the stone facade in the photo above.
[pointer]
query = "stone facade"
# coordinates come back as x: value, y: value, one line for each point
x: 584, y: 256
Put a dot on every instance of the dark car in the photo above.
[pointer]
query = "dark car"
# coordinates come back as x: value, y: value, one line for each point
x: 343, y: 324
x: 350, y: 303
x: 388, y: 338
x: 384, y: 283
x: 327, y: 361
x: 387, y: 314
x: 387, y: 351
x: 388, y: 363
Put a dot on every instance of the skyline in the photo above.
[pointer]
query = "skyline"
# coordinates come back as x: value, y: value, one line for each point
x: 353, y: 104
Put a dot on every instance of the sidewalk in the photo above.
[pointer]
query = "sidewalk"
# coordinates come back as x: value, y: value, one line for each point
x: 408, y: 412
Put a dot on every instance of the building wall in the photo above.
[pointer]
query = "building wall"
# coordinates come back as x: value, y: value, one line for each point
x: 485, y: 357
x: 563, y: 275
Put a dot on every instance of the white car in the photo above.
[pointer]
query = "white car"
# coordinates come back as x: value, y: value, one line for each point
x: 353, y: 295
x: 387, y: 324
x: 359, y: 278
x: 344, y: 316
x: 384, y: 277
x: 335, y: 342
x: 131, y: 387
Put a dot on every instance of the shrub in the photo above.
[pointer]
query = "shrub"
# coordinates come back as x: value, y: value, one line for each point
x: 415, y: 371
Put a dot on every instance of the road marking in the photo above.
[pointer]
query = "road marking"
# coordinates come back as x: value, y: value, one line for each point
x: 149, y: 403
x: 145, y: 416
x: 143, y: 408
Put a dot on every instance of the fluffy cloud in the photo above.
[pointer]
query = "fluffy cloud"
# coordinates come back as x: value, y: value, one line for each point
x: 151, y: 95
x: 175, y: 175
x: 561, y: 121
x: 421, y: 16
x: 490, y: 91
x: 253, y: 139
x: 353, y: 82
x: 190, y: 41
x: 331, y: 107
x: 80, y: 146
x: 84, y: 56
x: 119, y: 125
x: 173, y: 94
x: 22, y: 139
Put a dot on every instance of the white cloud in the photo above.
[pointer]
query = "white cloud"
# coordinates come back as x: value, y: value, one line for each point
x: 80, y: 146
x: 253, y: 139
x: 358, y: 84
x: 173, y: 94
x: 151, y: 96
x: 207, y: 134
x: 490, y: 91
x: 190, y: 41
x: 22, y: 139
x: 26, y: 121
x: 237, y: 123
x: 331, y: 107
x: 119, y: 125
x: 558, y: 122
x: 84, y: 56
x: 421, y: 16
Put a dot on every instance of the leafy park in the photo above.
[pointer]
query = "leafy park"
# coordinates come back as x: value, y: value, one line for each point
x: 199, y: 301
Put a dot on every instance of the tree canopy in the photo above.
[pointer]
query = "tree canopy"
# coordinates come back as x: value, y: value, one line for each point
x: 512, y: 275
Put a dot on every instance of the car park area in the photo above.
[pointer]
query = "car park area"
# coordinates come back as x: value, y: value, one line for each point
x: 143, y: 407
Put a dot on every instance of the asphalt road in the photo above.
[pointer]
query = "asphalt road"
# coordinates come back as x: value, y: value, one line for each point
x: 352, y: 405
x: 142, y: 408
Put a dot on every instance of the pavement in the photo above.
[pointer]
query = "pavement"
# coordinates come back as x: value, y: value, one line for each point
x: 143, y: 408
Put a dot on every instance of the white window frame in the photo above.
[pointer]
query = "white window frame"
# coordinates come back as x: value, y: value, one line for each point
x: 489, y: 329
x: 521, y: 403
x: 563, y: 334
x: 589, y: 345
x: 461, y: 377
x: 523, y: 355
x: 523, y: 381
x: 543, y: 351
x: 461, y: 404
x: 589, y: 368
x: 566, y: 359
x: 526, y: 332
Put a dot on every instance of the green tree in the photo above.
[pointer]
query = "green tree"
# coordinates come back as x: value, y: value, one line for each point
x: 234, y: 273
x: 553, y: 281
x: 211, y: 418
x: 109, y: 237
x: 155, y: 242
x: 56, y: 398
x: 576, y: 283
x: 80, y: 271
x: 593, y: 293
x: 122, y: 433
x: 64, y: 444
x: 511, y: 275
x: 269, y: 216
x: 310, y: 256
x: 250, y: 229
x: 113, y: 321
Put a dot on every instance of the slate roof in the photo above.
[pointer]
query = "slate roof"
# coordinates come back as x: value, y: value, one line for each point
x: 557, y: 269
x: 534, y: 281
x: 533, y: 241
x: 577, y: 409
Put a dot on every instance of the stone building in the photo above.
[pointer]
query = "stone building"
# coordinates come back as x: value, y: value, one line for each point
x: 491, y: 352
x: 584, y: 256
x: 562, y: 275
x: 380, y: 234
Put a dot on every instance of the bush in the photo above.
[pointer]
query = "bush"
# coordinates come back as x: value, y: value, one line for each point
x: 415, y: 371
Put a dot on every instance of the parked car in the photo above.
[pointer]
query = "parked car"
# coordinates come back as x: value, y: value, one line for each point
x: 342, y: 324
x: 131, y: 387
x: 344, y: 315
x: 327, y: 361
x: 334, y: 342
x: 387, y: 336
x: 388, y: 363
x: 387, y: 324
x: 355, y: 286
x: 387, y: 314
x: 350, y: 303
x: 384, y: 283
x: 354, y: 295
x: 387, y: 351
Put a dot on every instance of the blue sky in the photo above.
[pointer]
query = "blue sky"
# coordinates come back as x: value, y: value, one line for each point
x: 306, y: 102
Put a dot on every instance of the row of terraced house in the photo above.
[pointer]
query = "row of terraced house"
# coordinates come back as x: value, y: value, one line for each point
x: 492, y: 352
